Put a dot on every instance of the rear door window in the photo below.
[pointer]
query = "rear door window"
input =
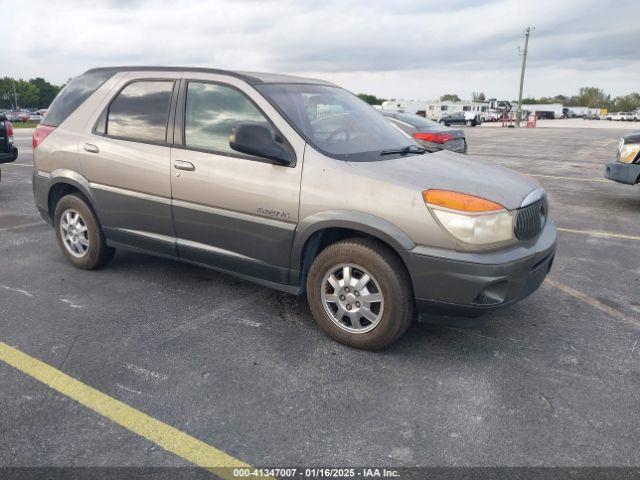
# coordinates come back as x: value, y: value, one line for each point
x: 140, y: 111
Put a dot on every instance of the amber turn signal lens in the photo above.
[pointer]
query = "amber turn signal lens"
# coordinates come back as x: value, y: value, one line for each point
x: 459, y: 201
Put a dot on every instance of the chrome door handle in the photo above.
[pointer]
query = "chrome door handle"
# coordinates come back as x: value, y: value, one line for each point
x: 89, y: 147
x: 182, y: 165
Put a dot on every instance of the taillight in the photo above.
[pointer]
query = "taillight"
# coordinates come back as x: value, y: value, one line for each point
x: 433, y: 137
x: 9, y: 128
x: 40, y: 133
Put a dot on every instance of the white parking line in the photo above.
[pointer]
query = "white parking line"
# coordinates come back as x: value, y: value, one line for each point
x: 593, y: 302
x: 570, y: 178
x: 18, y: 227
x: 597, y: 233
x: 30, y: 165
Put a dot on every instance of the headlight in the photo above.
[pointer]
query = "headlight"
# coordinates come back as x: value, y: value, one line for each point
x: 470, y: 219
x: 628, y: 152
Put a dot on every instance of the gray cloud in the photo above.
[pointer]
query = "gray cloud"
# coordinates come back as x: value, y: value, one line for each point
x: 411, y: 48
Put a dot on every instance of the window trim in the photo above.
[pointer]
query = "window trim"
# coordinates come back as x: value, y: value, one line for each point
x: 106, y: 109
x: 181, y: 123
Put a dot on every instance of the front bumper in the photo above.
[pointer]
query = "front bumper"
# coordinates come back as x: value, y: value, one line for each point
x: 627, y: 173
x: 470, y: 284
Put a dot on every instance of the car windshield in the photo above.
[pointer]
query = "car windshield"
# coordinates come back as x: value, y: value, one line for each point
x: 335, y: 121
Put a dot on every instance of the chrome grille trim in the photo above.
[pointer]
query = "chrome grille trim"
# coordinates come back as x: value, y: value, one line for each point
x: 530, y: 220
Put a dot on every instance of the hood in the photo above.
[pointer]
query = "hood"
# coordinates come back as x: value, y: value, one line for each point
x: 446, y: 170
x: 632, y: 138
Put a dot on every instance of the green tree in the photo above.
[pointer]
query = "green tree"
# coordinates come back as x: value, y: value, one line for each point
x: 450, y: 97
x: 6, y: 93
x: 626, y: 103
x: 371, y: 99
x: 591, y: 97
x: 478, y: 96
x: 27, y: 94
x: 35, y: 93
x: 46, y: 91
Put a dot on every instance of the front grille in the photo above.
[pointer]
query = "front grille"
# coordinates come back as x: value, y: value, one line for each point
x: 530, y: 220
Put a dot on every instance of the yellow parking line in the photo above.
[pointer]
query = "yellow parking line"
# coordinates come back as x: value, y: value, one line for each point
x: 593, y: 302
x: 597, y: 233
x: 571, y: 178
x: 169, y: 438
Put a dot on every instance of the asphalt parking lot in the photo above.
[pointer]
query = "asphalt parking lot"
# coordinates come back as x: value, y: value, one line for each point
x: 553, y: 380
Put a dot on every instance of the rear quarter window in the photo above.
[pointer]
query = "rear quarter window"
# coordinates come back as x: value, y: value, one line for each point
x: 73, y: 95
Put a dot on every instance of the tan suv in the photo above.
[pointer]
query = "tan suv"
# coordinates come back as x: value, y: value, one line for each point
x: 291, y: 183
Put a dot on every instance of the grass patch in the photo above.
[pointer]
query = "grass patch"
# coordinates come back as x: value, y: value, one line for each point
x: 25, y: 124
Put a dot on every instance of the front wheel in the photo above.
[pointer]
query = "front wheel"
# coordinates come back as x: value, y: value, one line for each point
x: 79, y: 234
x: 360, y: 294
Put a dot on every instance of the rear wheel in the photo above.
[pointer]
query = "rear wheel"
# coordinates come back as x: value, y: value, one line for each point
x: 79, y: 234
x: 360, y: 294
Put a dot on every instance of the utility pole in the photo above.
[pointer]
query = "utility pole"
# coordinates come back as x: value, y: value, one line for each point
x: 524, y: 64
x: 15, y: 97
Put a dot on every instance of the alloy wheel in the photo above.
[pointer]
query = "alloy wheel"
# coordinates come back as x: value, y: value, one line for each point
x: 74, y: 233
x: 352, y: 298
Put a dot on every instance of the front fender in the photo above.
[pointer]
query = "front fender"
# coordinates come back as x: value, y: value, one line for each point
x: 362, y: 222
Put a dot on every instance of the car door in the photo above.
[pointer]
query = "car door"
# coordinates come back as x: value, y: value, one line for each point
x: 230, y: 210
x: 127, y: 159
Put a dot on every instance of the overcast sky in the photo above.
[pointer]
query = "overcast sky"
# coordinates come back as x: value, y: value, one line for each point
x: 391, y: 48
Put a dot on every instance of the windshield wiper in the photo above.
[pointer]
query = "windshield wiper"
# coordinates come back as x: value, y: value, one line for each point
x: 405, y: 150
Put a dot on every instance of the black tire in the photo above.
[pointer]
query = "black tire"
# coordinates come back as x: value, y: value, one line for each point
x: 98, y: 253
x: 392, y: 278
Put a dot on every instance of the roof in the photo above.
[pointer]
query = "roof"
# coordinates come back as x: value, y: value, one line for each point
x: 252, y: 78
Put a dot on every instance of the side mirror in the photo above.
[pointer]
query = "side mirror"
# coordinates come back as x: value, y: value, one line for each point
x: 257, y: 140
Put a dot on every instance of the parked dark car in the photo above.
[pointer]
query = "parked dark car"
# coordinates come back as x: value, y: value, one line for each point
x: 8, y: 151
x: 461, y: 118
x: 427, y: 132
x: 626, y: 168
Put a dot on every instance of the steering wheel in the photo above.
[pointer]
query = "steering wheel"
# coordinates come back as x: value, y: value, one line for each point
x: 338, y: 131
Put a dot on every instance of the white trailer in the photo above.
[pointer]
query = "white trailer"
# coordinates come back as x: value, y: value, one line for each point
x: 573, y: 112
x: 404, y: 106
x: 434, y: 109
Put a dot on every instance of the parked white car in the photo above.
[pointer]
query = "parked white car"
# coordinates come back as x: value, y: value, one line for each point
x: 491, y: 116
x: 621, y: 116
